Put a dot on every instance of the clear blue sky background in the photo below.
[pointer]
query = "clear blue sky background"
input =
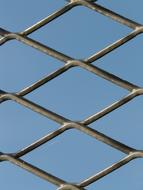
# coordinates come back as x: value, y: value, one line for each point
x: 76, y: 94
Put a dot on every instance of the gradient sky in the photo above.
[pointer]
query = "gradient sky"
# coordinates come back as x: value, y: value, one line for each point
x: 77, y: 94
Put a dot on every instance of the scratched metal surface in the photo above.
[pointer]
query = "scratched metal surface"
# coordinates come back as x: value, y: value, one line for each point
x: 65, y: 123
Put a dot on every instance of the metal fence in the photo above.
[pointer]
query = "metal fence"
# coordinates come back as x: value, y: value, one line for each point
x: 65, y: 123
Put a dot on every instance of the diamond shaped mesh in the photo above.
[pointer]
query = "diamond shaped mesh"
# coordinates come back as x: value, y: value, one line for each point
x: 65, y: 123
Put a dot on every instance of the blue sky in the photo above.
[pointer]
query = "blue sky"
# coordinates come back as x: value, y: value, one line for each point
x: 77, y: 94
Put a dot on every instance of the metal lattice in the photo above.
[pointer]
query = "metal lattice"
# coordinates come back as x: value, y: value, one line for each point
x: 65, y: 123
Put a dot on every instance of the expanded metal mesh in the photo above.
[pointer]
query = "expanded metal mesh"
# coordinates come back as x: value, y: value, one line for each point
x: 65, y: 123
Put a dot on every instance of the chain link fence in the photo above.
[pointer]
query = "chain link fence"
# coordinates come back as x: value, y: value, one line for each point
x: 65, y: 123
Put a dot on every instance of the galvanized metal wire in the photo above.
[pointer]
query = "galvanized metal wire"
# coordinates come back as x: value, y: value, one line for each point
x: 66, y: 124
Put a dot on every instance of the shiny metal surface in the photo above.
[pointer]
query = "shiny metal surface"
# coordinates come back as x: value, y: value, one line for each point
x: 65, y: 123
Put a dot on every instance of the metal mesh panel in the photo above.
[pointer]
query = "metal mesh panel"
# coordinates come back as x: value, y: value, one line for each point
x: 65, y: 123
